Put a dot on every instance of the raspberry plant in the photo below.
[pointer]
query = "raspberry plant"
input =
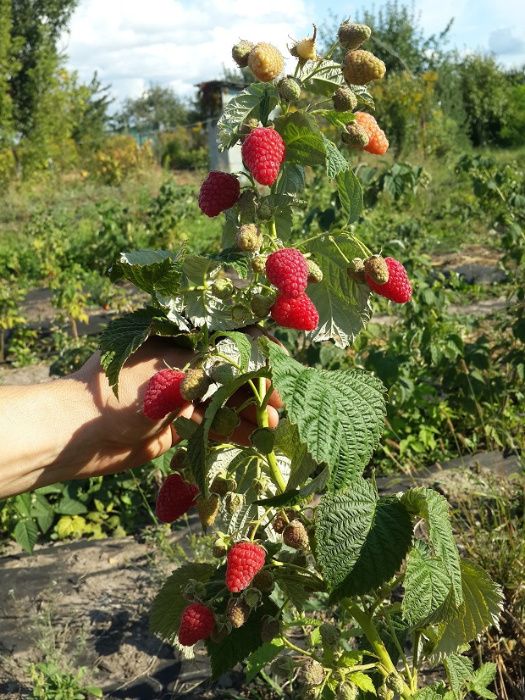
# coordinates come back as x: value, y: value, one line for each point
x: 296, y: 524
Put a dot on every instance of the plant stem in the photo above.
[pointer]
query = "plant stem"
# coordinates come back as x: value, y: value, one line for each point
x: 386, y: 667
x: 263, y: 422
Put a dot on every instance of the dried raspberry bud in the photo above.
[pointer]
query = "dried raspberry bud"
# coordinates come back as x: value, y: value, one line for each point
x: 295, y: 535
x: 377, y: 269
x: 259, y: 264
x: 208, y: 509
x: 305, y: 49
x: 347, y: 691
x: 289, y: 89
x: 356, y: 270
x: 344, y: 100
x: 315, y: 274
x: 266, y: 62
x: 179, y: 460
x: 384, y: 693
x: 233, y: 502
x: 248, y: 238
x: 241, y: 51
x: 261, y: 304
x: 252, y: 597
x: 270, y: 629
x: 237, y: 612
x: 195, y: 384
x: 225, y: 421
x: 394, y: 682
x: 222, y: 485
x: 361, y: 67
x: 312, y: 673
x: 330, y: 635
x: 264, y: 581
x: 279, y: 523
x: 239, y: 313
x: 222, y: 288
x: 351, y: 35
x: 355, y: 135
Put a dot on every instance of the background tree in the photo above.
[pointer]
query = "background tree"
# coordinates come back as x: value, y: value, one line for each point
x: 157, y: 109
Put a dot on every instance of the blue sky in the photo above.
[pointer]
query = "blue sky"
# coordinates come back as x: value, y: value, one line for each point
x: 132, y: 44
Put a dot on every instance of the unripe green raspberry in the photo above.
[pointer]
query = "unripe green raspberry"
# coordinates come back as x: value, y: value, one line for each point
x: 315, y: 274
x: 247, y: 127
x: 351, y: 35
x: 264, y: 581
x: 225, y: 421
x: 252, y: 597
x: 312, y: 673
x: 208, y: 509
x: 248, y: 238
x: 237, y: 612
x: 377, y: 269
x: 295, y: 535
x: 347, y: 691
x: 261, y: 304
x: 270, y: 629
x: 223, y: 373
x: 259, y: 264
x: 384, y: 693
x: 179, y: 459
x: 241, y: 51
x: 289, y: 89
x: 240, y: 313
x: 263, y: 439
x: 195, y: 384
x: 344, y: 99
x: 361, y: 67
x: 233, y: 502
x: 222, y: 288
x: 220, y: 548
x: 330, y: 635
x: 355, y: 136
x: 394, y: 682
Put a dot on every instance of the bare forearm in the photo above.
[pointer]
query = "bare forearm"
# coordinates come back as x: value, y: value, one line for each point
x: 46, y: 433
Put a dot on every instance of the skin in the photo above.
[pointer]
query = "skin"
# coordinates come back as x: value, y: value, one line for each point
x: 75, y: 427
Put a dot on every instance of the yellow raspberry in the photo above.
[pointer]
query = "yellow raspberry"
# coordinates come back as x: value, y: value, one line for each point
x: 360, y: 67
x: 265, y: 62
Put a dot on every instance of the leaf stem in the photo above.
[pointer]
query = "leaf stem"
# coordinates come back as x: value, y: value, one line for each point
x: 263, y: 422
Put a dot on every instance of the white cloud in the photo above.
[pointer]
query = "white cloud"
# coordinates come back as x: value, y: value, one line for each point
x: 132, y: 44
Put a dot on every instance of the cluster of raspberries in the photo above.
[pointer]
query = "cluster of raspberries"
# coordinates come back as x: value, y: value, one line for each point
x: 287, y: 269
x: 244, y: 560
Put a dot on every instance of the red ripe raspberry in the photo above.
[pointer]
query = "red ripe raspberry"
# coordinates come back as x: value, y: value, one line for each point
x: 175, y: 498
x: 398, y: 287
x: 218, y: 192
x: 163, y: 394
x: 377, y: 140
x: 263, y: 152
x: 295, y: 312
x: 197, y: 622
x: 287, y: 269
x: 244, y: 560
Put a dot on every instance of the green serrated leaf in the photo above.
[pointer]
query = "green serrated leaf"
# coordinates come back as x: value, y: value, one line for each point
x: 339, y: 415
x: 169, y: 603
x: 120, y: 339
x: 335, y: 161
x: 153, y: 271
x: 240, y: 643
x: 362, y: 681
x: 480, y: 609
x: 328, y: 77
x: 430, y: 693
x: 25, y: 533
x: 291, y: 179
x: 22, y: 504
x: 434, y: 508
x: 288, y: 443
x: 459, y: 671
x: 350, y: 195
x: 256, y: 98
x: 242, y: 344
x: 338, y: 119
x: 384, y: 549
x: 342, y: 303
x: 303, y: 139
x: 261, y: 657
x: 42, y: 512
x: 70, y: 506
x: 427, y: 584
x: 481, y: 679
x: 361, y: 540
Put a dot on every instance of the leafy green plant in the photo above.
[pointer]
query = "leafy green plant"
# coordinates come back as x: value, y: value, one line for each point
x: 384, y: 570
x: 50, y: 682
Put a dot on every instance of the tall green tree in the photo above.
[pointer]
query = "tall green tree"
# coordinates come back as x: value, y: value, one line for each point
x: 6, y: 69
x: 157, y: 109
